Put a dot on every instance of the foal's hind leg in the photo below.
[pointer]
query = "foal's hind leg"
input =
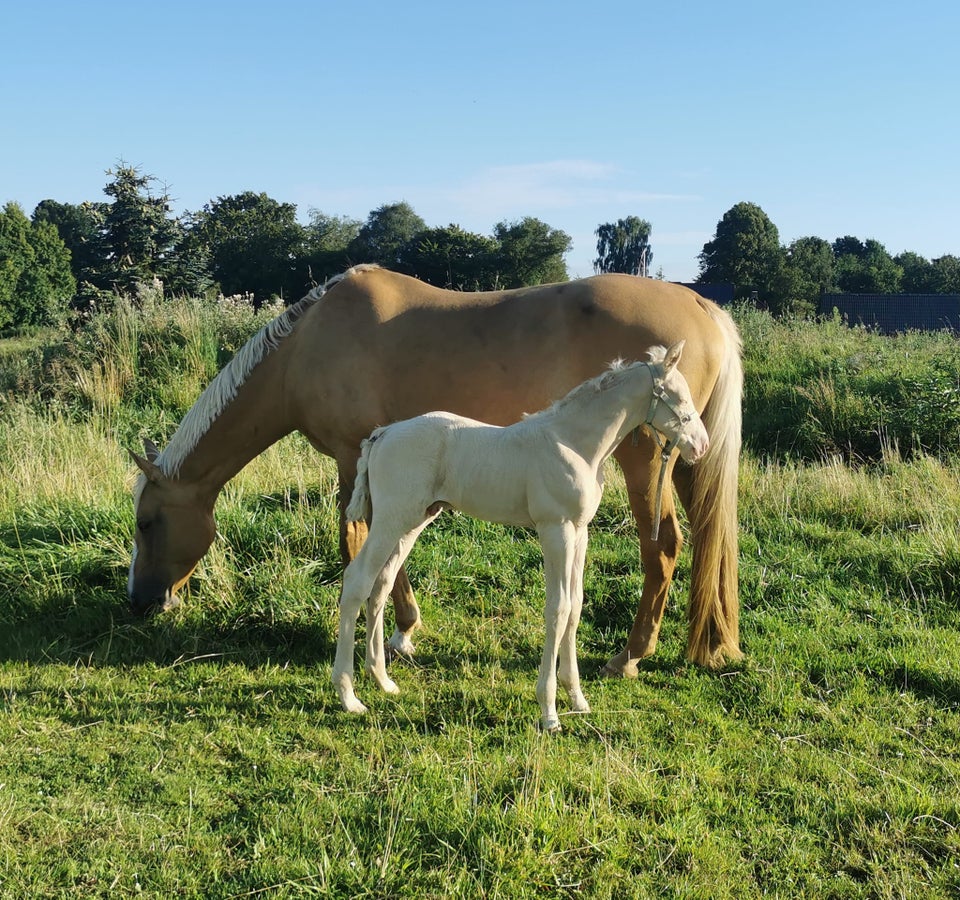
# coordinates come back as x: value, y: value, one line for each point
x: 641, y: 469
x: 368, y: 575
x: 352, y: 536
x: 376, y: 665
x: 559, y: 543
x: 569, y: 670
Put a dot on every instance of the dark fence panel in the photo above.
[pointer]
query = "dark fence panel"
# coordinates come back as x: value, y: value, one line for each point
x: 891, y: 313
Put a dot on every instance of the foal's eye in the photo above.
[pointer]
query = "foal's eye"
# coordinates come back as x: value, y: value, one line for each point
x: 143, y: 525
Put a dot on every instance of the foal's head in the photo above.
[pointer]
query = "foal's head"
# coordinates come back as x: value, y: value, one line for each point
x: 672, y: 412
x: 175, y: 527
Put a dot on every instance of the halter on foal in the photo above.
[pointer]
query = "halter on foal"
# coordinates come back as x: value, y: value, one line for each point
x: 545, y: 471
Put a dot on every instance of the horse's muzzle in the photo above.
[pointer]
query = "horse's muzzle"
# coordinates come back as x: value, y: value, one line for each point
x: 148, y: 603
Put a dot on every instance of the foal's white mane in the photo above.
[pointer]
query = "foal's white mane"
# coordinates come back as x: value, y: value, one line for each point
x: 222, y: 390
x: 612, y: 376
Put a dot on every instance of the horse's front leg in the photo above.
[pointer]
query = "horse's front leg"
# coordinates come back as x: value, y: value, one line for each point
x: 641, y: 468
x: 569, y: 670
x: 559, y: 550
x: 352, y: 537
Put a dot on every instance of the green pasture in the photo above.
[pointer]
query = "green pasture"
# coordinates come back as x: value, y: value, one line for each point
x: 204, y: 754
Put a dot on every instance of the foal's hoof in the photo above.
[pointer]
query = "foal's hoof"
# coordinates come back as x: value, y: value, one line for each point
x: 354, y: 706
x: 389, y: 686
x: 551, y: 726
x: 399, y: 645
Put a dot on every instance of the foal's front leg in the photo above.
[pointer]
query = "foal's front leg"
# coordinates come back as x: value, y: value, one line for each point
x: 559, y: 543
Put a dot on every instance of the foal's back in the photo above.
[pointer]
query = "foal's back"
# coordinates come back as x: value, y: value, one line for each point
x: 485, y: 471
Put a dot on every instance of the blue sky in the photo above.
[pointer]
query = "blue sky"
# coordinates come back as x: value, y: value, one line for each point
x: 836, y: 118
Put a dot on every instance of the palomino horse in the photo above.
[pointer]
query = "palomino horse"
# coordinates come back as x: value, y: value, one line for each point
x: 372, y: 347
x: 545, y: 471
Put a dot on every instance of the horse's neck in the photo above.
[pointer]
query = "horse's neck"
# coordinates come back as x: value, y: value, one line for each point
x: 595, y: 425
x: 248, y: 424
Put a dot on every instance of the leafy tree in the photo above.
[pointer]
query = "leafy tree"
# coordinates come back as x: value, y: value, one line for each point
x: 807, y: 272
x: 531, y: 252
x: 453, y: 258
x: 252, y: 244
x: 865, y: 267
x: 139, y: 233
x: 745, y: 251
x: 624, y: 246
x: 35, y: 279
x: 82, y: 229
x: 947, y: 274
x: 924, y: 276
x: 919, y: 275
x: 327, y: 241
x: 387, y: 235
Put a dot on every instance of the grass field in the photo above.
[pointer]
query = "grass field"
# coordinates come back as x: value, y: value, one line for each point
x: 204, y: 754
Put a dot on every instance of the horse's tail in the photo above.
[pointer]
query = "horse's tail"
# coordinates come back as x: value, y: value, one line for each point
x: 360, y: 507
x: 714, y: 611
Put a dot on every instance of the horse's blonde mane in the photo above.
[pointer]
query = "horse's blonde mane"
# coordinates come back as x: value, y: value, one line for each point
x: 214, y: 399
x: 608, y: 378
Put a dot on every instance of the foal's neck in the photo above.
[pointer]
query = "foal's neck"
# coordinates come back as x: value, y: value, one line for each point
x: 596, y: 426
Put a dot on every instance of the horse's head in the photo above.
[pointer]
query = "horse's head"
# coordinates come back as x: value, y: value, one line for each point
x: 174, y: 529
x: 672, y: 411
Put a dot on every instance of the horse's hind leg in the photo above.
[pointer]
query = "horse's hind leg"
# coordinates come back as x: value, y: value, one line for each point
x: 569, y: 670
x: 641, y: 468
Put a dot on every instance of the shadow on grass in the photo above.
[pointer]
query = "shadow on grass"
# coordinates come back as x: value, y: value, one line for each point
x: 95, y: 628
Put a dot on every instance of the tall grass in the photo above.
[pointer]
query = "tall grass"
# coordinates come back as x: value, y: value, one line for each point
x: 204, y: 754
x: 820, y: 389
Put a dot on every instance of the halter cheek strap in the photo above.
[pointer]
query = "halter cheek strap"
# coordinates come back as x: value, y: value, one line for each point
x: 659, y: 395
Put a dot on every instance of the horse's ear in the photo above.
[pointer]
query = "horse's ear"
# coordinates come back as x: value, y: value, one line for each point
x: 149, y: 468
x: 150, y: 450
x: 673, y: 356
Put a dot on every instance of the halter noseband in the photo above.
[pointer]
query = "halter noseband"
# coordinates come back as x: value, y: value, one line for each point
x: 659, y: 395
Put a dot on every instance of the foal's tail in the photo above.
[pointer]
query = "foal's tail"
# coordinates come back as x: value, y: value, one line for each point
x: 714, y: 611
x: 360, y: 507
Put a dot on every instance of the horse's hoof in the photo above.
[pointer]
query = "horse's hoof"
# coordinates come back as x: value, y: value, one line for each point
x: 354, y: 707
x: 551, y: 726
x: 172, y: 602
x: 615, y: 670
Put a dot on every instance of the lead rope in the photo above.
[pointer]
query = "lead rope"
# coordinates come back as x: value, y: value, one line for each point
x: 664, y: 456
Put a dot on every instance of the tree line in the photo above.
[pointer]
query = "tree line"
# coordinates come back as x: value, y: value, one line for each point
x: 246, y: 243
x: 746, y: 251
x: 75, y: 258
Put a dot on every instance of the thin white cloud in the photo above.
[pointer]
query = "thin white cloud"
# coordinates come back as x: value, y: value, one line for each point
x: 552, y: 185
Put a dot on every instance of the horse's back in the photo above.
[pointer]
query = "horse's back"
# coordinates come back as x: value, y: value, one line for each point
x: 381, y: 346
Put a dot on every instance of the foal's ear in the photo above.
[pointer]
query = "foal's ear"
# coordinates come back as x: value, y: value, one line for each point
x: 673, y: 356
x: 150, y: 450
x: 148, y: 467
